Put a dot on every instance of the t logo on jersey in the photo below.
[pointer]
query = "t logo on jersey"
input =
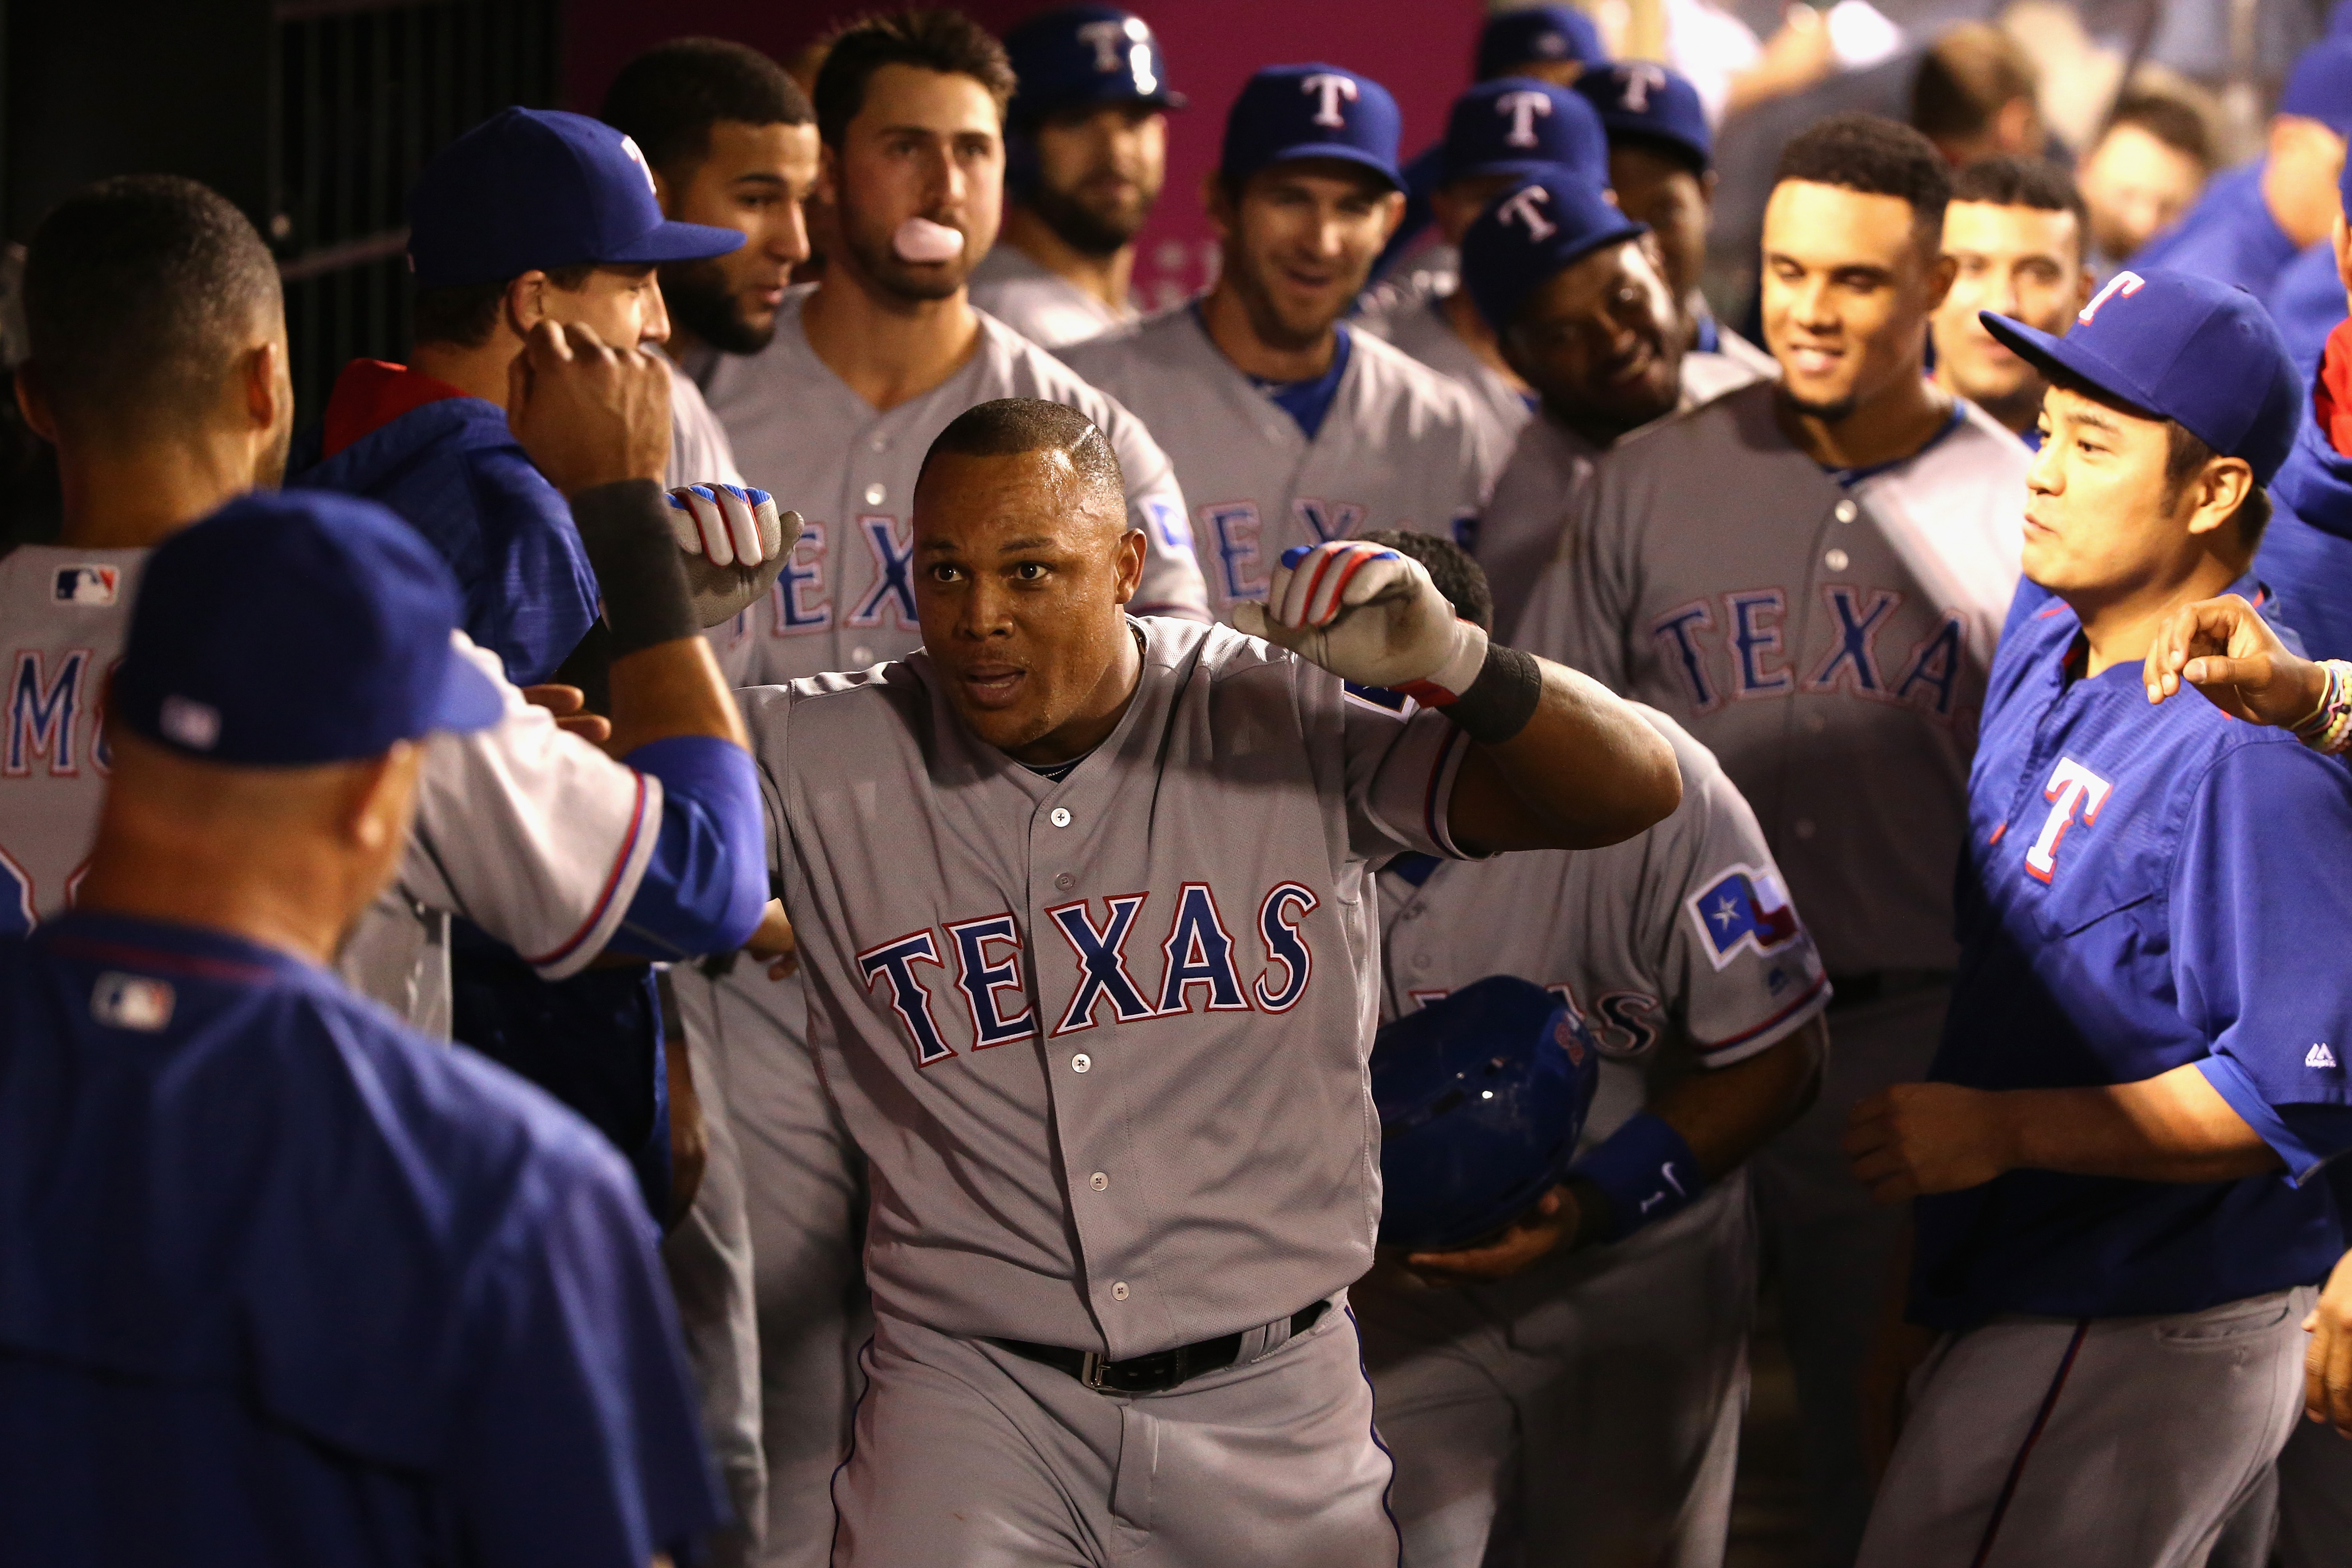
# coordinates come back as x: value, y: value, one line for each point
x: 1521, y: 209
x: 2123, y: 283
x: 1743, y: 908
x: 1333, y: 88
x: 2073, y: 787
x: 86, y: 584
x: 1524, y: 108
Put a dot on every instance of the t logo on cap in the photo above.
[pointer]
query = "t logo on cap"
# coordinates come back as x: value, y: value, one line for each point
x: 1105, y: 37
x: 637, y: 156
x: 1520, y: 207
x: 1333, y: 87
x: 2125, y: 283
x: 1641, y: 79
x: 1523, y: 108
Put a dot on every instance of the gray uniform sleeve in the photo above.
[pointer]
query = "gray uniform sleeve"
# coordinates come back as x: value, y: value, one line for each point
x: 1734, y: 962
x: 1401, y: 764
x: 1173, y: 584
x: 1577, y: 614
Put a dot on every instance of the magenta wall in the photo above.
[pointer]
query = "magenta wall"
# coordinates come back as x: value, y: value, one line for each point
x: 1419, y: 48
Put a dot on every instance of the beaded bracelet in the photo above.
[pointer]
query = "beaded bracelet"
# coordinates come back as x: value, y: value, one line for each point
x: 2327, y: 729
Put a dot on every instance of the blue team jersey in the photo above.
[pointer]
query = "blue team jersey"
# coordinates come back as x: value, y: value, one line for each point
x: 2306, y: 554
x: 2229, y: 237
x: 285, y: 1283
x: 2143, y: 887
x: 455, y: 472
x: 2307, y: 301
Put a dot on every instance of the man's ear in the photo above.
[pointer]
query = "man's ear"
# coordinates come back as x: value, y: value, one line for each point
x: 829, y: 174
x: 34, y: 405
x: 526, y: 303
x: 1132, y: 548
x: 1218, y: 203
x: 1393, y: 206
x: 264, y: 382
x: 1941, y: 271
x: 2225, y: 483
x: 376, y: 795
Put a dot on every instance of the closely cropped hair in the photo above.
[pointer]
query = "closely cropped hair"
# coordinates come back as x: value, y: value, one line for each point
x: 668, y: 98
x: 2186, y: 453
x: 465, y: 314
x: 940, y: 40
x: 2011, y: 182
x: 139, y: 293
x: 1457, y: 576
x: 1969, y: 75
x: 1008, y: 426
x: 2174, y: 121
x: 1877, y: 157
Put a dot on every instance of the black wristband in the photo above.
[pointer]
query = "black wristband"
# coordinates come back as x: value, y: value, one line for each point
x: 1501, y: 699
x: 625, y: 528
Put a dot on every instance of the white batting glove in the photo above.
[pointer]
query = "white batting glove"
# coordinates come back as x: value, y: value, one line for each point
x: 1369, y: 615
x: 728, y: 525
x: 736, y: 543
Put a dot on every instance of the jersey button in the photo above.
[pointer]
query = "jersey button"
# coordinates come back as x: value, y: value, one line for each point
x: 1059, y: 816
x: 859, y: 657
x: 874, y: 494
x: 1099, y: 1181
x: 1845, y: 512
x: 1119, y: 1290
x: 1835, y: 560
x: 1066, y: 881
x: 1081, y: 1062
x: 880, y: 443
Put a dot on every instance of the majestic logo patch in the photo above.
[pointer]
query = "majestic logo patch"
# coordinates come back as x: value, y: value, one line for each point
x: 92, y: 585
x: 1743, y: 908
x: 132, y: 1001
x: 2319, y: 1056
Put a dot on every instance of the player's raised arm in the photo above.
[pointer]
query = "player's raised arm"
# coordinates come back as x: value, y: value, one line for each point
x: 1556, y: 762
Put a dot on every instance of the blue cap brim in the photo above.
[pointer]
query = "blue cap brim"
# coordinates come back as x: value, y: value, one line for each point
x: 2046, y: 353
x: 1338, y: 150
x: 469, y: 700
x: 677, y: 242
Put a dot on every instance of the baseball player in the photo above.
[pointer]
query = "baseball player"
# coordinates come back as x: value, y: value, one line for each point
x: 1499, y: 134
x: 2017, y: 235
x: 1662, y: 168
x: 2118, y: 1275
x: 1579, y: 307
x: 315, y: 1288
x: 1810, y: 574
x: 2251, y: 221
x: 1286, y: 426
x: 1585, y: 1374
x: 2308, y: 549
x: 1106, y: 1265
x: 1085, y: 153
x: 870, y: 363
x: 2226, y: 649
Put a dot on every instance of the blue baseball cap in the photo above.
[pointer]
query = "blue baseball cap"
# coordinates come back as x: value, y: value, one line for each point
x: 297, y: 627
x: 2184, y: 348
x: 1541, y: 226
x: 1081, y: 55
x: 537, y: 189
x: 2320, y: 86
x: 1519, y: 38
x: 1639, y: 101
x: 1311, y: 111
x: 1517, y: 125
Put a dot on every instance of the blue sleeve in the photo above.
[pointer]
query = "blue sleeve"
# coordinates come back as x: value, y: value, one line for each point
x: 535, y: 595
x: 2262, y: 899
x: 579, y: 1440
x: 706, y: 885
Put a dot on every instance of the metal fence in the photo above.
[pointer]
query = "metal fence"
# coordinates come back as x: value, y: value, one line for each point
x: 364, y: 91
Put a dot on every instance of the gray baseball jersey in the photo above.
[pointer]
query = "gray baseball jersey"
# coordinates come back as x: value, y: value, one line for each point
x: 1827, y: 641
x: 1426, y: 334
x: 535, y: 835
x: 1103, y: 1041
x: 1589, y: 1395
x: 699, y: 452
x: 1039, y: 303
x: 1401, y: 446
x: 845, y: 599
x: 1525, y: 518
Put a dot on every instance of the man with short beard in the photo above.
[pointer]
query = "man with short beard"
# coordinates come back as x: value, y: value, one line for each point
x: 1287, y: 427
x: 2017, y: 236
x: 1085, y: 153
x: 869, y: 365
x: 1574, y: 293
x: 1810, y: 574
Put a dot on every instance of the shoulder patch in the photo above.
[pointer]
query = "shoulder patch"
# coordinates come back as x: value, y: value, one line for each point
x: 1743, y: 909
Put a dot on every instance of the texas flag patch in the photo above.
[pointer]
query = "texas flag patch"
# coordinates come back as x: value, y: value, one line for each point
x: 92, y: 585
x: 1743, y: 908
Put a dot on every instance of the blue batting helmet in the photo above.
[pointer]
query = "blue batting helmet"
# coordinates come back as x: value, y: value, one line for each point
x: 1481, y: 1098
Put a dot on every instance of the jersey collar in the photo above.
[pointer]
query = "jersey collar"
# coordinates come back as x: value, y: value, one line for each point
x: 162, y: 947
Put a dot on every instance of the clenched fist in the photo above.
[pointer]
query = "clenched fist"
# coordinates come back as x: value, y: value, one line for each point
x: 1370, y: 615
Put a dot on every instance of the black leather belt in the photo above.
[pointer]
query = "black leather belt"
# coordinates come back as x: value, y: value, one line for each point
x: 1878, y: 984
x: 1160, y: 1369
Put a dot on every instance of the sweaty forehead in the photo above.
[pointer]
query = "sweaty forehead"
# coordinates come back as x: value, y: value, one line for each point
x: 966, y: 499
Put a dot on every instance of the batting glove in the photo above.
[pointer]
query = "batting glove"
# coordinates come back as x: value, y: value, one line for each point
x: 1369, y: 616
x: 735, y: 542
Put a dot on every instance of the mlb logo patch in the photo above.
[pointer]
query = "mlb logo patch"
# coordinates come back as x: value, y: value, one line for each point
x: 1743, y: 908
x: 132, y: 1001
x: 90, y: 585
